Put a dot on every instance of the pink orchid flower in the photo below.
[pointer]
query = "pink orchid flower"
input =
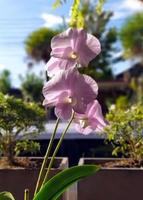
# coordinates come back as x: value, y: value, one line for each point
x: 72, y: 47
x: 92, y: 120
x: 69, y: 91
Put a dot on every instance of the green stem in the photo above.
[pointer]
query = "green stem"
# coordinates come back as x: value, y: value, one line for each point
x: 56, y: 150
x: 26, y: 194
x: 42, y: 171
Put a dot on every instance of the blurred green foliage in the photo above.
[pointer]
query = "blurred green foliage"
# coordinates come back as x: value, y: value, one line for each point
x: 31, y: 86
x: 136, y: 85
x: 99, y: 6
x: 19, y: 121
x: 5, y: 81
x: 58, y: 3
x: 38, y: 44
x: 26, y: 146
x: 77, y: 18
x: 131, y: 36
x: 125, y: 131
x: 122, y: 102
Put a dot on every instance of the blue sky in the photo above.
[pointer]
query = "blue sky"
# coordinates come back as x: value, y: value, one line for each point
x: 19, y: 18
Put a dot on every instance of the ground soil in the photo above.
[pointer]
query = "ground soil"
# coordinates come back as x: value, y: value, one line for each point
x: 123, y: 163
x: 19, y: 162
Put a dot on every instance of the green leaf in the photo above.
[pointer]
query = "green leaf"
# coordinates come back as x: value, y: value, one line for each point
x: 99, y: 6
x: 6, y: 196
x: 53, y: 189
x: 58, y: 3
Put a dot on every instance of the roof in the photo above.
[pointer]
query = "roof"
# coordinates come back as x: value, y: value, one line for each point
x: 71, y: 134
x: 134, y: 70
x: 113, y: 84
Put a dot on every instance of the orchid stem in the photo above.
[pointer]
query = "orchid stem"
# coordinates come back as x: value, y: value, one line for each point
x: 42, y: 171
x: 26, y: 194
x: 57, y: 148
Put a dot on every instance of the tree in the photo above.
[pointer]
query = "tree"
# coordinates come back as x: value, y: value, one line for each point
x: 32, y: 87
x: 5, y: 82
x: 100, y: 67
x: 37, y: 44
x: 18, y: 120
x: 131, y: 36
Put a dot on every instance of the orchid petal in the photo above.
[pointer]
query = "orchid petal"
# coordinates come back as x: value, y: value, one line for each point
x: 84, y: 131
x: 85, y: 95
x: 96, y: 125
x: 63, y: 111
x: 54, y: 65
x: 74, y: 39
x: 70, y: 87
x: 92, y: 119
x: 94, y: 111
x: 53, y: 89
x: 75, y: 42
x: 89, y: 50
x: 60, y: 44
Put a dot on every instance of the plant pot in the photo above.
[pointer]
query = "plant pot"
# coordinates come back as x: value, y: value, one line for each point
x: 111, y: 183
x: 18, y: 179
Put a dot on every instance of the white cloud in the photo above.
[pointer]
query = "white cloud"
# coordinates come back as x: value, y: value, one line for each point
x: 52, y: 20
x: 2, y: 67
x: 126, y: 8
x: 132, y: 5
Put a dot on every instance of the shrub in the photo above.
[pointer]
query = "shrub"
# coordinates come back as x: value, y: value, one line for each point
x: 125, y: 131
x: 19, y: 121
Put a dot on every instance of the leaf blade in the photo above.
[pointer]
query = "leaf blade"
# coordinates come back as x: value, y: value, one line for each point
x: 6, y: 196
x: 59, y: 183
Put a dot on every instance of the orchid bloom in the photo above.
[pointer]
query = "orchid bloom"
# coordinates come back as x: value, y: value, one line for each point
x: 92, y: 120
x: 69, y: 91
x: 74, y: 46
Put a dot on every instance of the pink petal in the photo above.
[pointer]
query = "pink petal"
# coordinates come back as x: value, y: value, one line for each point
x: 94, y: 111
x: 93, y: 44
x: 84, y: 131
x: 86, y: 46
x: 50, y: 103
x: 53, y: 89
x: 64, y: 95
x: 74, y: 39
x: 56, y: 86
x: 96, y: 125
x: 93, y: 116
x: 78, y: 117
x: 92, y: 108
x: 61, y: 52
x: 78, y: 39
x: 63, y: 111
x: 81, y: 89
x: 89, y: 50
x: 61, y: 45
x: 54, y: 65
x: 85, y: 90
x: 59, y: 83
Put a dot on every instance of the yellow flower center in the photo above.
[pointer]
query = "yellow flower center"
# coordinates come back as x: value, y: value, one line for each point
x: 71, y: 101
x: 83, y: 122
x: 73, y: 55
